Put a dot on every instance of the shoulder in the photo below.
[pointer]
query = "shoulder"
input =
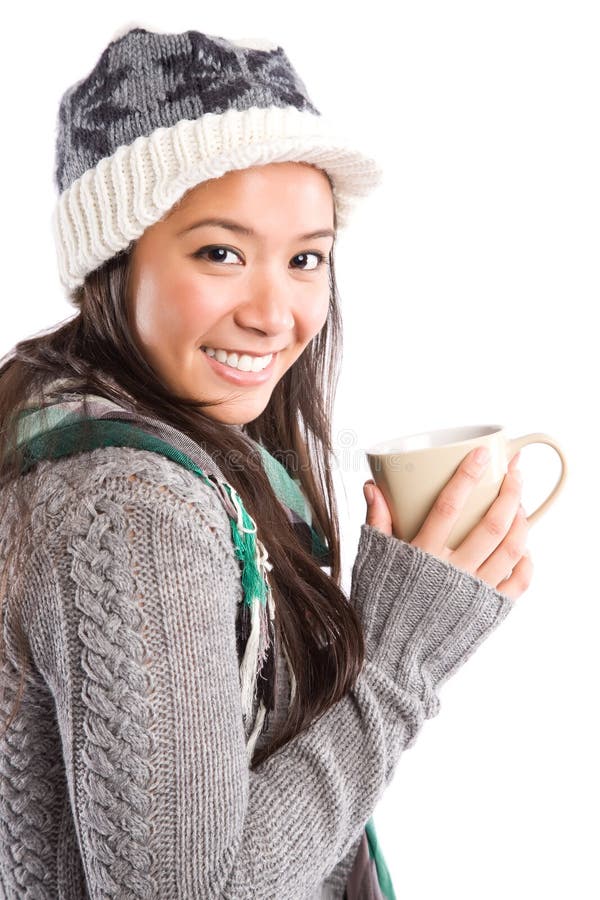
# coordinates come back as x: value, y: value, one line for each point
x: 118, y: 479
x: 114, y: 531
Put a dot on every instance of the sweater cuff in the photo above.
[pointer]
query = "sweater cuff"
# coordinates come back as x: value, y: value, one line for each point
x: 422, y: 616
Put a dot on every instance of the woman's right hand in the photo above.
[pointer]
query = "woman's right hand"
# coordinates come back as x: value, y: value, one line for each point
x: 495, y: 548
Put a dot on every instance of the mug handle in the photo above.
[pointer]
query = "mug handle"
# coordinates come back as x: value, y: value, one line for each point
x: 515, y: 445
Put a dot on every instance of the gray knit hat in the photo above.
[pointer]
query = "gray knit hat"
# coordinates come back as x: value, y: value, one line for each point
x: 160, y: 113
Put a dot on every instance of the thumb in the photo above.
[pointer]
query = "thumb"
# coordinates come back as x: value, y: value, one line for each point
x: 378, y: 513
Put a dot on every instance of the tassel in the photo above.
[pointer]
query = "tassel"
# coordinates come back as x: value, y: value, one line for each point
x: 256, y: 732
x: 256, y: 633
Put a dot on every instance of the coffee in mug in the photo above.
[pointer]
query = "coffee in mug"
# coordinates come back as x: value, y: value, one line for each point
x: 412, y: 470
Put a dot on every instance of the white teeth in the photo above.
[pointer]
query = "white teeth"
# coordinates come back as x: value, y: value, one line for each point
x: 245, y: 362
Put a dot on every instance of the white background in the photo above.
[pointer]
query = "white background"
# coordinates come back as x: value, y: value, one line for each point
x: 470, y: 291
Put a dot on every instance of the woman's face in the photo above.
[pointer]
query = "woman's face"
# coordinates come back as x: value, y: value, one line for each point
x: 207, y: 285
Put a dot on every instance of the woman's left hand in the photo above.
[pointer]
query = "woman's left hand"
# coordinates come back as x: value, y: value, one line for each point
x: 513, y: 583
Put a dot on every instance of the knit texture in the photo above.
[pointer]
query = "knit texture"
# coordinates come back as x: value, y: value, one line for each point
x: 159, y: 113
x: 144, y: 80
x: 74, y: 423
x: 125, y: 773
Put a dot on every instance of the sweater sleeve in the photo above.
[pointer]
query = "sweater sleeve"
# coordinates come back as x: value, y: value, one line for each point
x: 141, y: 659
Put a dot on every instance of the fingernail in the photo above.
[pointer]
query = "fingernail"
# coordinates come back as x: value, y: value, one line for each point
x: 369, y: 493
x: 518, y: 476
x: 482, y: 456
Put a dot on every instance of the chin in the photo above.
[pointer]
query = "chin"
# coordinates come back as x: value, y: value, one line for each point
x: 236, y: 418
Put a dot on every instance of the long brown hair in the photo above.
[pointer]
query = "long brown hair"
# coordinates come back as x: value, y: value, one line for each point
x: 95, y: 352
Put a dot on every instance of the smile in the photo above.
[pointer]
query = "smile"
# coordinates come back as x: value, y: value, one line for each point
x: 238, y: 376
x: 238, y: 359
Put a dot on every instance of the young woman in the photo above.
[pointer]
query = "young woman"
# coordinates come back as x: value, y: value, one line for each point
x: 192, y: 706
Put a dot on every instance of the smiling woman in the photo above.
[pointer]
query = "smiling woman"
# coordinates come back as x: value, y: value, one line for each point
x: 193, y: 705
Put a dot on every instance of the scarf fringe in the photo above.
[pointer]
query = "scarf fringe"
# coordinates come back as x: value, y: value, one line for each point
x: 258, y: 598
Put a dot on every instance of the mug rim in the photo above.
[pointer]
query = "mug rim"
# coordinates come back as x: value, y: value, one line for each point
x: 484, y: 431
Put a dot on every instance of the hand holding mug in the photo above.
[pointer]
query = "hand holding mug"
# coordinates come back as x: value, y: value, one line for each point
x: 494, y: 550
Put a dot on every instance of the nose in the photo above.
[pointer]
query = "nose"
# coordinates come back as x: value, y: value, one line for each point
x: 267, y: 311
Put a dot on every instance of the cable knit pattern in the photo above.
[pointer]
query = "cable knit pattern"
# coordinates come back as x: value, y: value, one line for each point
x: 125, y: 773
x: 31, y: 778
x: 116, y: 777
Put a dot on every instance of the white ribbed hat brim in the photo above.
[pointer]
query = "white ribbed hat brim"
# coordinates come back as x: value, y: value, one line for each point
x: 112, y: 204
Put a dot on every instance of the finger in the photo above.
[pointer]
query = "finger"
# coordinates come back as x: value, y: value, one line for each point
x: 436, y: 528
x: 378, y: 512
x: 520, y: 579
x: 512, y: 464
x: 502, y: 561
x: 491, y: 530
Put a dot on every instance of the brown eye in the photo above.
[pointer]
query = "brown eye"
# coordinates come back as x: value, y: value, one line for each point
x: 217, y: 249
x: 320, y: 260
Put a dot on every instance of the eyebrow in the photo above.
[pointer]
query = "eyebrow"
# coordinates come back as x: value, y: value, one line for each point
x: 249, y: 232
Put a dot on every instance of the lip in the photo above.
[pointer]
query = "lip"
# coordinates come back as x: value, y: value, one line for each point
x: 235, y: 376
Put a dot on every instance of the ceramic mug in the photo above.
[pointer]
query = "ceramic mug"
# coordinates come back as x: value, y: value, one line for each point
x: 412, y: 470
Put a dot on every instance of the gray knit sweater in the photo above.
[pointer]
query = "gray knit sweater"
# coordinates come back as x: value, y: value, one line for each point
x: 125, y: 773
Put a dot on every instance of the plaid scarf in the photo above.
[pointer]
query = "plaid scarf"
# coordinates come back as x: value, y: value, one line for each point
x: 78, y: 423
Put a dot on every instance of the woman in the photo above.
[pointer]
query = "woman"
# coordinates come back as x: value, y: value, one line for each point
x: 193, y: 707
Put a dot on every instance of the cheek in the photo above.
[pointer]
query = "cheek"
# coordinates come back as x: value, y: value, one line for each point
x: 317, y: 316
x: 175, y: 309
x: 309, y: 322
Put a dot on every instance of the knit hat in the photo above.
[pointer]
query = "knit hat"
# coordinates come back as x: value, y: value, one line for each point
x: 160, y: 113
